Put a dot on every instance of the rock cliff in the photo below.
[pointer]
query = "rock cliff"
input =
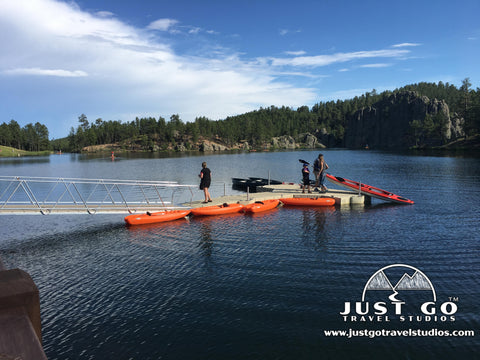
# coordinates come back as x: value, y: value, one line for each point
x: 388, y: 123
x: 284, y: 142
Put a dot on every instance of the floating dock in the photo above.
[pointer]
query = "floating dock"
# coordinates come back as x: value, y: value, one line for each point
x: 34, y: 195
x: 342, y: 197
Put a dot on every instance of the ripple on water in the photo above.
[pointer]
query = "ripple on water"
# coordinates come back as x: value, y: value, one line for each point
x: 240, y: 286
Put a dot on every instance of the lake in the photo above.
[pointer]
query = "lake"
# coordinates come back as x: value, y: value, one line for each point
x: 268, y: 286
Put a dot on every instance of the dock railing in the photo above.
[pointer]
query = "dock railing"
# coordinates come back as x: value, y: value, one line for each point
x: 46, y: 195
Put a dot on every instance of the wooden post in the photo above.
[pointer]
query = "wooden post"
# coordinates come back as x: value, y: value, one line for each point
x: 20, y: 325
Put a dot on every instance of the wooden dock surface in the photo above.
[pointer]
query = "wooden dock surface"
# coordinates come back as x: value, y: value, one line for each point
x: 28, y: 209
x: 342, y: 197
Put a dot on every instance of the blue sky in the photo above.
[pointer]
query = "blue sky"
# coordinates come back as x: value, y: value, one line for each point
x: 117, y: 60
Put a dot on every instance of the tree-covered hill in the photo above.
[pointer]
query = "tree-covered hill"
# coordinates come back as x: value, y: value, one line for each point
x: 427, y: 110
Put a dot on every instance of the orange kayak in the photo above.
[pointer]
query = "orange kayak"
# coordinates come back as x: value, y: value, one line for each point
x: 217, y: 209
x: 160, y: 216
x: 264, y: 205
x: 309, y: 201
x: 369, y: 190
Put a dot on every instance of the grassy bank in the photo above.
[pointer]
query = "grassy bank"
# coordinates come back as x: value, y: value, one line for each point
x: 6, y: 151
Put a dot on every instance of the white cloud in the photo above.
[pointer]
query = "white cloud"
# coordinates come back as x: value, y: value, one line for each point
x: 162, y: 24
x: 405, y: 45
x: 93, y: 63
x: 129, y: 70
x: 194, y: 30
x: 284, y: 32
x: 295, y: 53
x: 378, y: 65
x: 324, y: 60
x: 299, y: 74
x: 104, y: 14
x: 46, y: 72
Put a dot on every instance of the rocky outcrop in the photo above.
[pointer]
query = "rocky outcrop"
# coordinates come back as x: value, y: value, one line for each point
x: 455, y: 129
x: 180, y: 147
x: 308, y: 140
x: 284, y: 142
x: 327, y: 140
x: 305, y: 140
x: 245, y: 146
x: 388, y: 123
x: 211, y: 146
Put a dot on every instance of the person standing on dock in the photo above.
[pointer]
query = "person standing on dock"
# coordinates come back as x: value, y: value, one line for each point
x: 319, y: 167
x: 306, y: 177
x: 205, y: 180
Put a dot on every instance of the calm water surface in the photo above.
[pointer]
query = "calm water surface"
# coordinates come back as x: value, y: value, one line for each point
x: 251, y: 287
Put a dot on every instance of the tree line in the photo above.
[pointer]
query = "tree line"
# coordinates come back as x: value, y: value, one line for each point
x: 255, y: 127
x: 31, y: 137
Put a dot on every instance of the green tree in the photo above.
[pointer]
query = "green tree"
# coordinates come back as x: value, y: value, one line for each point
x: 30, y: 138
x: 193, y: 131
x: 42, y: 136
x: 82, y: 119
x: 16, y: 134
x: 416, y: 127
x: 428, y: 125
x: 465, y: 90
x: 5, y: 135
x: 441, y: 122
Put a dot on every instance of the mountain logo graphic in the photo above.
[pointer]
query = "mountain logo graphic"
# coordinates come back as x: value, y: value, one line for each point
x: 412, y: 279
x: 400, y: 292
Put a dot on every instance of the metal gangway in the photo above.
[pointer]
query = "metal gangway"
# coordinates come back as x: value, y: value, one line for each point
x: 48, y: 195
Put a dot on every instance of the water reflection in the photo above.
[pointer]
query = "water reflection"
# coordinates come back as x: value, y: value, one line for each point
x: 262, y: 285
x: 24, y: 160
x: 218, y: 219
x: 206, y: 240
x: 165, y: 236
x: 314, y: 226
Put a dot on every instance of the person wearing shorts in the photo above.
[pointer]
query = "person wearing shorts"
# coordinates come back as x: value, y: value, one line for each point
x: 306, y: 178
x: 205, y: 180
x: 319, y: 167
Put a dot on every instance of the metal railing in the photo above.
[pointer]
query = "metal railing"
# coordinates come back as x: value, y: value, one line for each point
x: 46, y: 195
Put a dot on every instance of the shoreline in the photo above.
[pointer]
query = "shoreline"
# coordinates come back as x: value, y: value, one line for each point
x: 470, y: 144
x: 7, y: 151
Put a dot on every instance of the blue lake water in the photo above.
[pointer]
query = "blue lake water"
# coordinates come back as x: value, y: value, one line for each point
x: 266, y: 286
